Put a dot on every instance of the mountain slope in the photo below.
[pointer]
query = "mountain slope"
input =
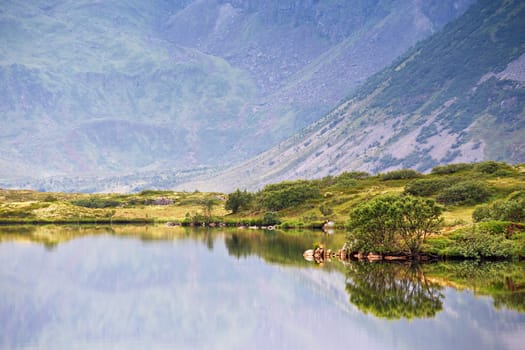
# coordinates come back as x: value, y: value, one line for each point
x: 119, y: 87
x: 458, y: 96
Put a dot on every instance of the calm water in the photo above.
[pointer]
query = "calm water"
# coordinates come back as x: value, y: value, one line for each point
x: 137, y: 288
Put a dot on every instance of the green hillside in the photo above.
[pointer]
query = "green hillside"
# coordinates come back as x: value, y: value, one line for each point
x: 455, y: 97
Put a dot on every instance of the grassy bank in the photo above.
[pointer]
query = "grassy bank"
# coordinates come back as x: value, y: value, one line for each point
x: 475, y: 199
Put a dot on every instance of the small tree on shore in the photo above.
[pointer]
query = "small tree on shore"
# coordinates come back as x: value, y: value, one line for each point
x: 207, y: 207
x: 416, y: 218
x: 238, y: 200
x: 393, y: 224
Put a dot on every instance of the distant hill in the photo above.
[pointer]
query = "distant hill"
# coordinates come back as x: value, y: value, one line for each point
x: 458, y: 96
x: 111, y: 88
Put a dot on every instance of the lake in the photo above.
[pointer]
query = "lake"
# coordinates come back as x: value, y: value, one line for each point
x: 132, y: 287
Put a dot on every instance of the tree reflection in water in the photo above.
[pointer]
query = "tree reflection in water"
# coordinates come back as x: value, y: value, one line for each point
x: 392, y: 290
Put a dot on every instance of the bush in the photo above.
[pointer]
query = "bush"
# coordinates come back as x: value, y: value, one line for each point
x: 451, y: 168
x: 511, y: 209
x: 428, y: 187
x: 95, y: 202
x: 154, y: 192
x: 271, y: 218
x: 492, y: 167
x: 391, y: 224
x: 325, y: 210
x: 494, y: 227
x: 481, y: 245
x: 481, y: 213
x: 348, y: 178
x: 50, y: 198
x: 400, y: 175
x: 238, y: 200
x: 467, y: 192
x: 286, y: 194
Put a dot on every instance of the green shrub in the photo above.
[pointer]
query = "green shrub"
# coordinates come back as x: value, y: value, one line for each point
x: 494, y: 227
x: 492, y: 167
x: 325, y: 210
x: 50, y: 198
x: 271, y: 218
x: 155, y: 193
x: 451, y: 168
x: 95, y: 202
x: 482, y: 245
x: 348, y: 178
x: 467, y: 192
x: 286, y: 194
x: 428, y: 187
x: 482, y: 212
x: 239, y: 200
x: 390, y: 223
x: 400, y: 175
x: 511, y: 209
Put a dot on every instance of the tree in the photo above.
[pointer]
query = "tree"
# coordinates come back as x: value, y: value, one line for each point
x: 416, y: 218
x: 238, y: 200
x: 393, y: 224
x: 393, y: 291
x: 207, y: 206
x: 372, y: 226
x: 467, y: 192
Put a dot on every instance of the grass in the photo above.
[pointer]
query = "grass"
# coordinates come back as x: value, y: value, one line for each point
x: 335, y: 199
x: 23, y: 206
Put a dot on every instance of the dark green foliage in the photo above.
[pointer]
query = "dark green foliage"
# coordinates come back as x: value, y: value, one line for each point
x: 451, y: 168
x: 401, y: 174
x: 504, y: 281
x: 373, y: 226
x: 96, y: 202
x: 428, y: 187
x: 325, y: 210
x: 511, y: 209
x: 466, y: 192
x: 356, y: 175
x: 393, y: 291
x: 392, y: 224
x: 492, y: 167
x: 479, y: 245
x: 271, y: 218
x: 207, y: 206
x: 154, y: 193
x: 286, y: 194
x: 349, y: 178
x: 50, y: 198
x: 482, y: 212
x: 506, y: 228
x: 239, y: 200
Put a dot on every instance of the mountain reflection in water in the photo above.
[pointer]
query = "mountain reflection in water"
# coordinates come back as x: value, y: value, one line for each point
x: 130, y: 287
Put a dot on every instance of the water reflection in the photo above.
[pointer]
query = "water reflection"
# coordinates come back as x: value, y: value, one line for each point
x: 393, y: 290
x: 135, y: 287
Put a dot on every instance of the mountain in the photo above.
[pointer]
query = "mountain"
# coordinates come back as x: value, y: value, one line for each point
x: 458, y: 96
x: 115, y: 88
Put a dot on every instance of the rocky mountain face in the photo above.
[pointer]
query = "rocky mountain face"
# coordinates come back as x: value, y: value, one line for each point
x: 458, y: 96
x: 119, y: 87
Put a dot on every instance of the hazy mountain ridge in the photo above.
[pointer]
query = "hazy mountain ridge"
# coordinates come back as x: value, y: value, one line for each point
x: 101, y: 88
x: 458, y: 96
